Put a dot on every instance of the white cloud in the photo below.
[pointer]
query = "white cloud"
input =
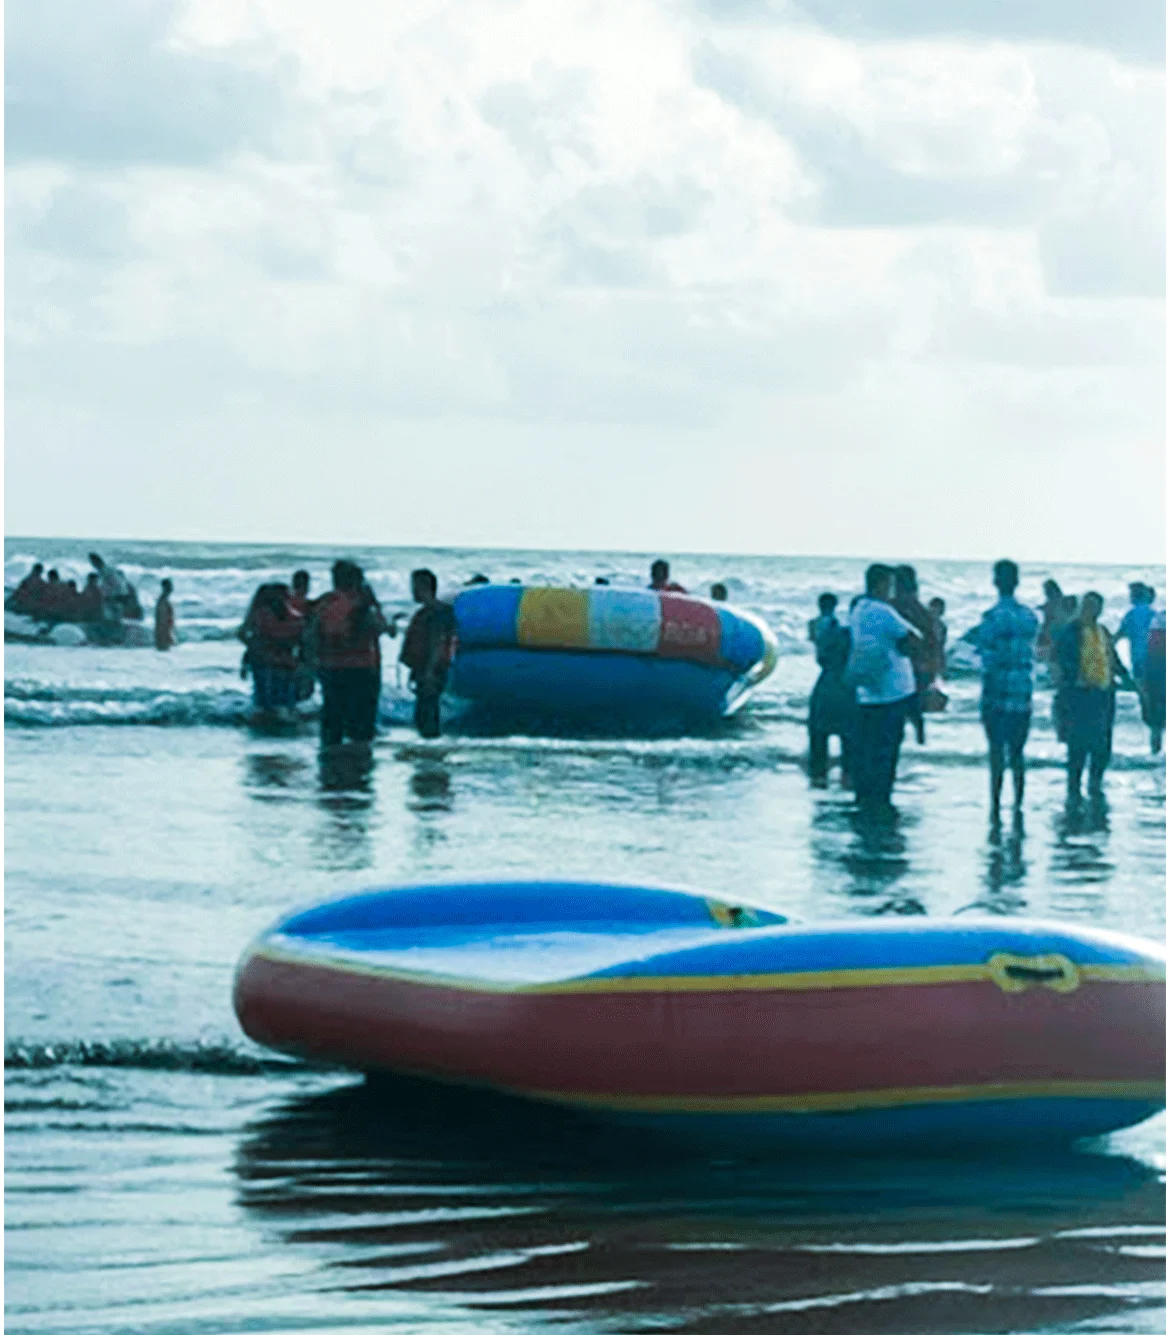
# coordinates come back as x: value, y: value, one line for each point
x: 758, y: 240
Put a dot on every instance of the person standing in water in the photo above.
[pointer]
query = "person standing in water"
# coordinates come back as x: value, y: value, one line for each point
x: 164, y: 618
x: 881, y: 672
x: 272, y: 632
x: 906, y: 603
x: 348, y: 624
x: 1135, y: 626
x: 1006, y: 644
x: 1089, y: 670
x: 1053, y: 618
x: 832, y: 707
x: 1153, y: 682
x: 427, y: 649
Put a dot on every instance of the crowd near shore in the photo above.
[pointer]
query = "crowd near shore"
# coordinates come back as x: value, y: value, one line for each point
x: 880, y: 672
x: 882, y: 667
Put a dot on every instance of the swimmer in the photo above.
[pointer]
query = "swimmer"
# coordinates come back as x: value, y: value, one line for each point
x: 660, y: 579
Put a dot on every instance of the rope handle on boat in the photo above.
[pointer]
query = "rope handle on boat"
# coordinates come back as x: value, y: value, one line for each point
x: 1017, y: 973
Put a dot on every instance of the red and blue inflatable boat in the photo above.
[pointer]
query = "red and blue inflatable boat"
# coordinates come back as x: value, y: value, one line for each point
x: 606, y: 653
x: 684, y: 1011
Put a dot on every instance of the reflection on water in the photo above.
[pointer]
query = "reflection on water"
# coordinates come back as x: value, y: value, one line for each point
x: 268, y: 774
x: 346, y: 797
x: 1006, y: 869
x: 872, y: 850
x: 479, y: 1201
x: 1081, y: 865
x: 430, y: 787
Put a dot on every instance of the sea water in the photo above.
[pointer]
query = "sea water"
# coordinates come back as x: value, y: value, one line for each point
x: 165, y: 1176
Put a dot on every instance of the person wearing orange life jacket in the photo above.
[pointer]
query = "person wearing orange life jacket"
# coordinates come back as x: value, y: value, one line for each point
x: 427, y: 650
x: 272, y: 631
x: 347, y: 623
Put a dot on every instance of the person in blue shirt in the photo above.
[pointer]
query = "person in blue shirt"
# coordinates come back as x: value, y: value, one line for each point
x: 1135, y: 626
x: 1007, y: 643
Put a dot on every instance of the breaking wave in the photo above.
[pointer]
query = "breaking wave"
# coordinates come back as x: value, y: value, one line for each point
x: 203, y: 1058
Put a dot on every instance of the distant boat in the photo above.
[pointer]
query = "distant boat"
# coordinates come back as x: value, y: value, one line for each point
x: 22, y: 629
x: 691, y: 1014
x: 606, y: 654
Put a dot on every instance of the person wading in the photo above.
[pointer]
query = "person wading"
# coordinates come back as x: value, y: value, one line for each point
x: 883, y: 676
x: 427, y: 650
x: 1090, y: 671
x: 832, y: 707
x: 347, y: 624
x: 1006, y: 644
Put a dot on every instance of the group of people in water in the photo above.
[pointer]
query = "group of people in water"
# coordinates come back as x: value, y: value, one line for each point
x: 880, y: 671
x: 294, y: 641
x: 107, y: 596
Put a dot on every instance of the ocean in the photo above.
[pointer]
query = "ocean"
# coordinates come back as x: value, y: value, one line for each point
x: 166, y: 1176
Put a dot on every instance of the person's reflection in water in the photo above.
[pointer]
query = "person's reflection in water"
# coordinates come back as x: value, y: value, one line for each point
x: 1005, y: 870
x: 429, y: 798
x: 273, y: 774
x: 346, y: 796
x: 430, y: 787
x: 872, y: 851
x: 1081, y: 865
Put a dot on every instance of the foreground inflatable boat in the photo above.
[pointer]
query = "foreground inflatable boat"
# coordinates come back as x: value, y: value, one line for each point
x: 606, y: 653
x: 667, y: 1007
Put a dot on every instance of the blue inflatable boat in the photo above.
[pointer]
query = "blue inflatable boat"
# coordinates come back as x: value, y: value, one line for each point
x: 606, y: 653
x: 687, y: 1012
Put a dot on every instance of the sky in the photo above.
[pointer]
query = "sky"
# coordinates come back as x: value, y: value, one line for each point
x: 840, y: 277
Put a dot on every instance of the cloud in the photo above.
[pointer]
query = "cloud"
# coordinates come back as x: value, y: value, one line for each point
x: 107, y: 84
x: 915, y: 135
x: 1133, y: 29
x: 498, y: 229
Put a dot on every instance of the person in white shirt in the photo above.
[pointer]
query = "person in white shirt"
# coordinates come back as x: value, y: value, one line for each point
x: 884, y: 677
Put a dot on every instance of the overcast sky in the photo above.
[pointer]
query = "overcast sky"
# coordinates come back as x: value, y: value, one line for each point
x: 845, y: 277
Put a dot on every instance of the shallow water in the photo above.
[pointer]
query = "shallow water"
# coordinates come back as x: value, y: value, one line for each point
x: 165, y: 1176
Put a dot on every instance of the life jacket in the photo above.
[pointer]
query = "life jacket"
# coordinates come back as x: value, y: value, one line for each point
x: 432, y: 627
x: 339, y: 643
x: 274, y: 639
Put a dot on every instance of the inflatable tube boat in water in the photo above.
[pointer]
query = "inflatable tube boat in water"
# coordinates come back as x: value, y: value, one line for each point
x: 683, y: 1011
x: 606, y: 652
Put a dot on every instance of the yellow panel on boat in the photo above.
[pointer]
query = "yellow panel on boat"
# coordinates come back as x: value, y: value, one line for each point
x: 553, y: 619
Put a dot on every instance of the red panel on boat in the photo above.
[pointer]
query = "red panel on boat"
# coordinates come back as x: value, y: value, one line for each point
x: 690, y: 629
